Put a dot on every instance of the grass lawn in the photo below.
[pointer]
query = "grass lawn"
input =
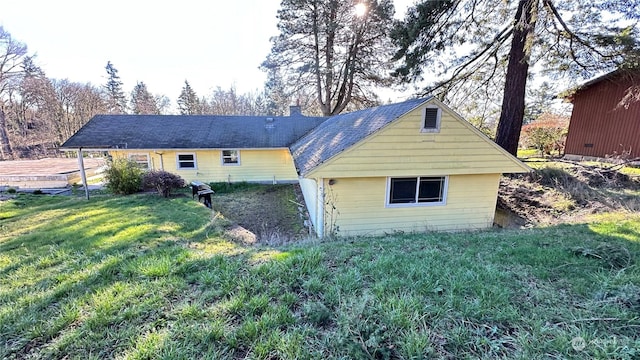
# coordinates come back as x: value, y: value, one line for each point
x: 144, y: 277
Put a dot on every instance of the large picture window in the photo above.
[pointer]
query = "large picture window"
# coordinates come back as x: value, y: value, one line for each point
x: 186, y: 161
x: 230, y: 157
x: 421, y: 190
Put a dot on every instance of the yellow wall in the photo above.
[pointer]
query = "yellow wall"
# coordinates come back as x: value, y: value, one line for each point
x: 401, y: 149
x: 255, y: 165
x: 361, y: 210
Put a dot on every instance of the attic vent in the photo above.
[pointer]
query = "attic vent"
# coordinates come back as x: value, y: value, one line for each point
x: 431, y: 119
x: 269, y: 123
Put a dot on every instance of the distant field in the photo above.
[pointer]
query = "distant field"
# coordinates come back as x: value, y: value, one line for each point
x: 143, y: 277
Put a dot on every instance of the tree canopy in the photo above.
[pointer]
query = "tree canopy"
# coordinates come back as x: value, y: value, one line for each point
x: 332, y: 51
x: 462, y: 46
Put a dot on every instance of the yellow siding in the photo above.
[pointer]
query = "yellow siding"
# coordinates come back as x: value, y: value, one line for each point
x: 361, y: 210
x: 266, y: 165
x: 401, y: 149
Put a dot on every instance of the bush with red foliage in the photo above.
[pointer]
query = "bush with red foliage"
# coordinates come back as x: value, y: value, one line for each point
x: 162, y: 181
x: 546, y: 134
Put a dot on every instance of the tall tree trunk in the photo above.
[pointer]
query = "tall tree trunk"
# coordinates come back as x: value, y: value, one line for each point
x: 5, y: 147
x: 510, y: 123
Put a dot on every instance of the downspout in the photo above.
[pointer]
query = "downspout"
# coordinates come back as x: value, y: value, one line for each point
x: 83, y: 175
x: 320, y: 209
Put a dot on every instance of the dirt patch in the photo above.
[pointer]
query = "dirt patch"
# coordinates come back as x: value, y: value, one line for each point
x: 567, y: 193
x: 267, y: 214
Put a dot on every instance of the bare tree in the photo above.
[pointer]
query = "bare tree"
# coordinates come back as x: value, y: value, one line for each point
x: 12, y: 55
x: 76, y: 104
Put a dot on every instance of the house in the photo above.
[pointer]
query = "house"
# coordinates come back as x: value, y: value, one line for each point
x: 605, y: 120
x: 201, y: 147
x: 413, y: 166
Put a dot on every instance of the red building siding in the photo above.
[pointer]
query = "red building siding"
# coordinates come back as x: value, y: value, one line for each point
x: 601, y: 125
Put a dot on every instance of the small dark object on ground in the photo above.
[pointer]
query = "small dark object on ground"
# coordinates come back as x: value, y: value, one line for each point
x: 203, y: 191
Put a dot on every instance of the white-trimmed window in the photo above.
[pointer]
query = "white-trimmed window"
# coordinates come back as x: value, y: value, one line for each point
x: 431, y: 119
x: 186, y: 161
x: 417, y: 191
x: 141, y: 159
x: 230, y: 157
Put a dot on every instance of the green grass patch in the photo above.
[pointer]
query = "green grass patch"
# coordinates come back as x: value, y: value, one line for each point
x: 142, y: 277
x: 529, y: 153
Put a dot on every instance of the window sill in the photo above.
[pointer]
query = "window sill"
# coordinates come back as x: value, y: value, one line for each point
x: 412, y: 205
x: 429, y: 131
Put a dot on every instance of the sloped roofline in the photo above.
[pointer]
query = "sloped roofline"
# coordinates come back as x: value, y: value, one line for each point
x: 484, y: 137
x: 439, y: 103
x: 598, y: 79
x: 331, y: 158
x: 310, y: 164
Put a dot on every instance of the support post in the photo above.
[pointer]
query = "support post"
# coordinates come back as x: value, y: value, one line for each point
x: 83, y: 175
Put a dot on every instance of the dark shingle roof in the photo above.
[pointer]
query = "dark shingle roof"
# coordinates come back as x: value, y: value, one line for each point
x: 191, y: 131
x: 342, y: 131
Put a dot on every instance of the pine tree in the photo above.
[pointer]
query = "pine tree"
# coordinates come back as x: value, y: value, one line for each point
x: 142, y: 102
x: 567, y: 40
x: 116, y: 100
x: 188, y: 101
x: 332, y: 51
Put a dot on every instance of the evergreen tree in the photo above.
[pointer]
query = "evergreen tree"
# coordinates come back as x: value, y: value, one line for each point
x: 567, y: 40
x: 278, y: 99
x: 142, y: 102
x: 188, y: 101
x: 116, y: 100
x: 333, y: 51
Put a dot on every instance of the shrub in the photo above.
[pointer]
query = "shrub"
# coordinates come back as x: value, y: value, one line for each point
x: 162, y: 181
x: 546, y: 134
x: 11, y: 190
x: 123, y: 176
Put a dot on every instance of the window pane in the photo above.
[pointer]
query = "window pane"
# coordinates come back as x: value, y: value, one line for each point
x: 431, y: 118
x: 138, y: 158
x: 141, y: 159
x: 186, y: 161
x: 403, y: 190
x: 431, y: 189
x: 230, y: 156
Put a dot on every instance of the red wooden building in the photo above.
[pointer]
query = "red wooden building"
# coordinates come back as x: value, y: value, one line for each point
x: 605, y: 121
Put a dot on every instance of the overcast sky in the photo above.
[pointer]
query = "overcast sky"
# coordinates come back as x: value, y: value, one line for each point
x: 163, y: 43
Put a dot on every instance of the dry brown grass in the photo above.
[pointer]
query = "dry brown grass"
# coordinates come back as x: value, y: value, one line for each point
x: 565, y: 192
